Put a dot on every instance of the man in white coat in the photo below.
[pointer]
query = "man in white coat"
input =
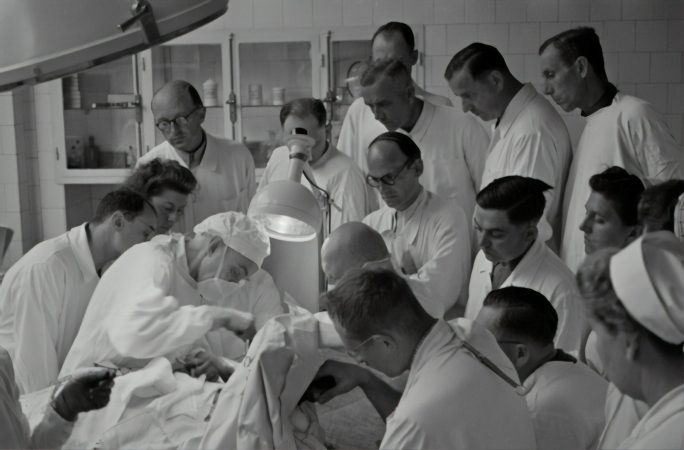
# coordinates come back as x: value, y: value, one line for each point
x: 529, y: 137
x: 148, y: 305
x: 565, y: 397
x: 45, y: 294
x: 224, y: 169
x: 330, y: 169
x: 453, y: 144
x: 512, y: 254
x: 621, y: 130
x: 451, y: 399
x: 427, y: 236
x: 636, y: 308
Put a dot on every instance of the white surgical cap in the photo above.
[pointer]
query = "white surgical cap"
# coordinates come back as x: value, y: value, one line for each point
x: 243, y: 234
x: 648, y: 277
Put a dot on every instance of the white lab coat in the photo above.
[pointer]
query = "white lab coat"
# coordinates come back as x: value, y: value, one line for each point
x: 51, y: 432
x: 42, y: 302
x: 434, y: 234
x: 336, y: 173
x: 453, y: 401
x: 622, y: 413
x: 630, y: 134
x: 453, y: 146
x: 225, y: 179
x: 532, y: 140
x: 566, y: 402
x: 540, y: 270
x: 145, y: 306
x: 260, y: 297
x: 661, y: 427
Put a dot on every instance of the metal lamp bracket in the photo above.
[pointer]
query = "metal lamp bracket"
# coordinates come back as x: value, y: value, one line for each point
x: 142, y: 12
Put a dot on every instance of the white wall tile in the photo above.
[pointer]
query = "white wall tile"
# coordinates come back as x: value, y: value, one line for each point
x: 387, y: 11
x: 542, y: 10
x: 8, y: 169
x: 651, y: 35
x: 357, y: 12
x: 633, y: 67
x: 675, y: 35
x: 418, y: 11
x: 509, y: 11
x: 439, y: 64
x: 54, y: 222
x: 676, y: 98
x: 297, y: 13
x: 617, y: 36
x: 656, y: 94
x: 6, y: 110
x: 460, y: 36
x: 524, y: 38
x: 666, y: 67
x: 637, y: 9
x: 449, y: 11
x: 240, y: 15
x: 550, y: 29
x: 435, y: 40
x: 668, y: 9
x: 532, y: 69
x: 676, y: 125
x: 46, y: 164
x: 480, y: 11
x: 50, y: 197
x: 43, y: 105
x: 494, y: 34
x: 612, y: 65
x: 327, y: 13
x: 606, y: 10
x: 12, y: 200
x: 516, y: 64
x: 8, y: 142
x: 573, y: 10
x: 268, y: 13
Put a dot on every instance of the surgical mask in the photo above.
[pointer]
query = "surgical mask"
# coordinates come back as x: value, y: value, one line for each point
x: 217, y: 290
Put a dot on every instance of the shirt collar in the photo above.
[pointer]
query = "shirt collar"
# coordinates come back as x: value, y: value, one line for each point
x: 78, y: 241
x: 517, y: 104
x: 605, y: 100
x: 407, y: 214
x: 527, y: 264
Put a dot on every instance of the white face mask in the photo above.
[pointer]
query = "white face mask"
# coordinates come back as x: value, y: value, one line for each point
x: 218, y: 291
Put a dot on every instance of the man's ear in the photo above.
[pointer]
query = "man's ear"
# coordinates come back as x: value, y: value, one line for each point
x: 634, y: 233
x: 418, y: 166
x: 582, y: 66
x: 117, y: 220
x: 532, y: 231
x: 388, y: 342
x: 414, y: 58
x: 495, y: 80
x: 632, y: 343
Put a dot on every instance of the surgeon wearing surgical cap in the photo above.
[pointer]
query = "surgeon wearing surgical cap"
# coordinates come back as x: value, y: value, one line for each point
x: 635, y: 300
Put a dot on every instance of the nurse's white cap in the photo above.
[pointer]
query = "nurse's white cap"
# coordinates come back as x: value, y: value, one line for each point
x: 648, y: 277
x: 243, y: 234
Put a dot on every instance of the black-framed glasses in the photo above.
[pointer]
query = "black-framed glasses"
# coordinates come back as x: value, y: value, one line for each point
x: 389, y: 179
x: 180, y: 121
x: 355, y: 351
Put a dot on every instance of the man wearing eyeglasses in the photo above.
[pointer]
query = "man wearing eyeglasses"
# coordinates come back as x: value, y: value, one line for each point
x: 224, y: 169
x: 565, y: 397
x: 428, y: 237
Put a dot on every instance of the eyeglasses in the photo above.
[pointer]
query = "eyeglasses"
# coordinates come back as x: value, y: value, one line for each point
x: 355, y: 351
x: 180, y: 121
x: 389, y: 179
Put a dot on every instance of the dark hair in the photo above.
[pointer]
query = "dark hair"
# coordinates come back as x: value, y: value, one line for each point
x: 397, y: 27
x: 581, y: 41
x: 525, y: 313
x: 371, y: 301
x: 157, y: 175
x: 479, y: 59
x: 621, y: 189
x: 130, y: 203
x: 407, y: 146
x: 657, y: 205
x: 390, y: 68
x: 302, y: 107
x: 521, y: 197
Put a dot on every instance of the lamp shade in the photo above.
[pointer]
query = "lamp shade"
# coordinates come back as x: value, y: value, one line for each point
x: 288, y: 210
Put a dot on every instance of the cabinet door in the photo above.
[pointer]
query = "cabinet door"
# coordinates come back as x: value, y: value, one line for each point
x: 100, y: 112
x: 270, y: 71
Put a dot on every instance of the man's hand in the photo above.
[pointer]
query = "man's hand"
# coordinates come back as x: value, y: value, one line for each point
x: 87, y: 389
x: 240, y: 323
x: 347, y: 377
x: 203, y: 362
x: 408, y: 266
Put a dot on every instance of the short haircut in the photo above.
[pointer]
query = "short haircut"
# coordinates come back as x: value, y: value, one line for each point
x: 157, y: 175
x: 303, y: 107
x: 581, y: 41
x: 130, y: 203
x: 390, y: 68
x: 407, y: 146
x: 521, y: 197
x: 621, y: 189
x: 479, y: 59
x: 657, y: 205
x: 371, y: 301
x: 400, y: 28
x: 524, y: 313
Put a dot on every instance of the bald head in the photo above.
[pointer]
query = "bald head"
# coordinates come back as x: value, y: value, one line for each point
x: 177, y: 103
x: 350, y: 246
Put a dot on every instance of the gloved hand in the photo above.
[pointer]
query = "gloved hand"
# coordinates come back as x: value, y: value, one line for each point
x: 203, y: 362
x: 87, y: 389
x: 240, y: 323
